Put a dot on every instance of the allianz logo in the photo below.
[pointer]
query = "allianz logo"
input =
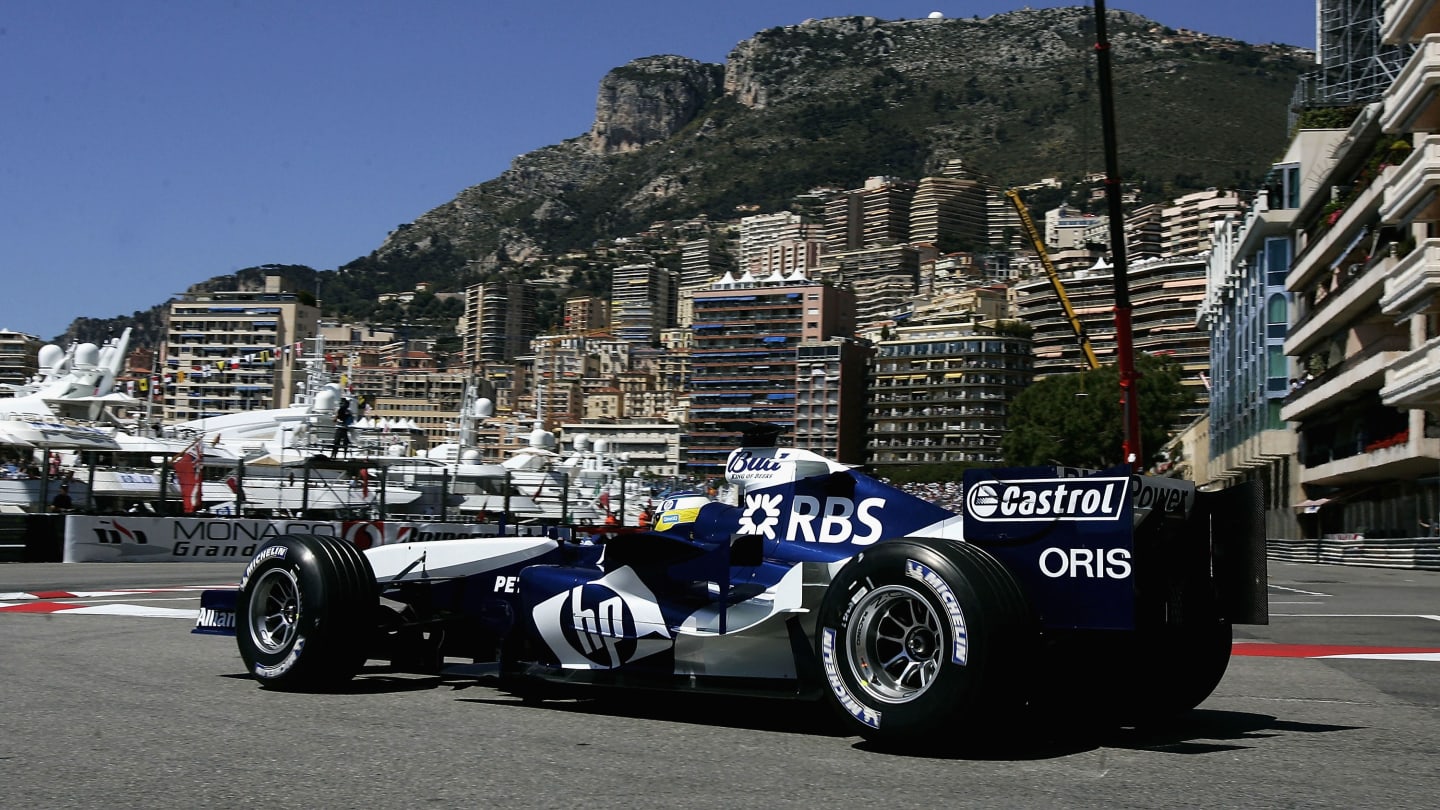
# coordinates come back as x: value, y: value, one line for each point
x: 1047, y: 499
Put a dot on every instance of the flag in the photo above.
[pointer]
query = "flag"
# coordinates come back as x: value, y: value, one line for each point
x: 364, y: 482
x: 188, y: 471
x: 235, y: 481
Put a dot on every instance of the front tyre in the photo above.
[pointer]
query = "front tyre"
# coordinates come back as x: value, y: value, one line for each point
x: 305, y: 616
x: 920, y: 636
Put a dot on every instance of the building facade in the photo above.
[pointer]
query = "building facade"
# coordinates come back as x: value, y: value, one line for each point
x: 235, y: 350
x: 744, y: 361
x: 1165, y: 295
x: 940, y: 392
x: 643, y: 301
x: 498, y: 324
x: 19, y: 356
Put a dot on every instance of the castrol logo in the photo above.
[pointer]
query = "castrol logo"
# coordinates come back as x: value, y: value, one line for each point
x: 1047, y: 499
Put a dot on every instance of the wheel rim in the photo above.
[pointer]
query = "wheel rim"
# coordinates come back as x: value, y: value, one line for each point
x: 895, y: 642
x: 274, y: 610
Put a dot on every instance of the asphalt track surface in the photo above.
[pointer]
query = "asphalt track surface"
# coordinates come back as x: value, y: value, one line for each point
x: 116, y: 709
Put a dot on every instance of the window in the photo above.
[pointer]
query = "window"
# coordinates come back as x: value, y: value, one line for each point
x: 1277, y: 317
x: 1277, y: 261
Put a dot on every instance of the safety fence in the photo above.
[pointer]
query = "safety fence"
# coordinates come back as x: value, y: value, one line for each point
x: 1422, y: 553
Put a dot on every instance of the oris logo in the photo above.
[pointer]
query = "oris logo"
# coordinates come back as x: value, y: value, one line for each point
x: 1047, y: 499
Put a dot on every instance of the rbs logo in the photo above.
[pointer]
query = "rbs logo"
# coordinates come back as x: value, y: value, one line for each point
x: 835, y: 520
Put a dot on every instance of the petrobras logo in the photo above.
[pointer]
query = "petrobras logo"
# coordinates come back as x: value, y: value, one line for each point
x: 769, y: 466
x: 1047, y: 499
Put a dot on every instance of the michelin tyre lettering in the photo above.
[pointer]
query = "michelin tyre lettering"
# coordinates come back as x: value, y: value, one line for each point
x: 924, y: 635
x: 304, y: 612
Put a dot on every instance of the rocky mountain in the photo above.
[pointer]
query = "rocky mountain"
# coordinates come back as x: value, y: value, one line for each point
x: 831, y: 102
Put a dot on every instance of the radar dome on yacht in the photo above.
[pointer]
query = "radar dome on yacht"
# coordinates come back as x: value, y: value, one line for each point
x: 87, y: 354
x: 483, y: 408
x: 327, y: 398
x: 582, y: 442
x: 540, y: 437
x: 602, y: 445
x: 50, y: 356
x: 470, y: 456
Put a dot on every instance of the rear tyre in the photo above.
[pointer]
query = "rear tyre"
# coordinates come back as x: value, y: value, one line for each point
x: 1173, y: 673
x: 919, y: 637
x: 305, y: 617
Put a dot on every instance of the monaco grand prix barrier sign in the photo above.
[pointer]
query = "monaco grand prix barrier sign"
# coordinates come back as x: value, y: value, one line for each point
x: 129, y: 538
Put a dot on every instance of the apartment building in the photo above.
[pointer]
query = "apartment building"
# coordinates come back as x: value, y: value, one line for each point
x: 586, y: 315
x: 1187, y: 221
x: 951, y: 211
x: 876, y: 214
x: 1165, y: 295
x: 939, y: 392
x: 643, y: 300
x: 1366, y: 323
x: 1246, y: 313
x: 823, y: 404
x: 778, y: 242
x: 19, y: 356
x: 702, y: 261
x: 885, y: 278
x: 744, y: 364
x: 498, y: 324
x: 1363, y: 314
x: 235, y: 350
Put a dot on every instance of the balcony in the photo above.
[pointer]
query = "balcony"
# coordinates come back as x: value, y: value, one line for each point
x: 1410, y: 188
x: 1410, y: 102
x: 1339, y: 237
x: 1413, y: 458
x: 1414, y: 379
x: 1361, y: 291
x: 1414, y: 280
x: 1351, y: 378
x: 1404, y: 19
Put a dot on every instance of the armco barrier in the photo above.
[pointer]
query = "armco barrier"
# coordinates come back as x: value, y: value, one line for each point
x: 1420, y: 553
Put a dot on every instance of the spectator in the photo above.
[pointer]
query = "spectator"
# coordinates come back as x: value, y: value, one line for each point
x: 62, y: 502
x: 343, y: 419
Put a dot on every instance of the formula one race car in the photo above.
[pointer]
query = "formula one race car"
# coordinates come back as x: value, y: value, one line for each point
x: 1105, y: 589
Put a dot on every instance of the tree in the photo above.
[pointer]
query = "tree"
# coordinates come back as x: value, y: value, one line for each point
x: 1075, y: 419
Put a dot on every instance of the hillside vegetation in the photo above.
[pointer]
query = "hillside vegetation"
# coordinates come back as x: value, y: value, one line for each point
x: 829, y: 103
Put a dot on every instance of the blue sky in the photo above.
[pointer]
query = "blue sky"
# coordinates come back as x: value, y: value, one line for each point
x: 146, y: 145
